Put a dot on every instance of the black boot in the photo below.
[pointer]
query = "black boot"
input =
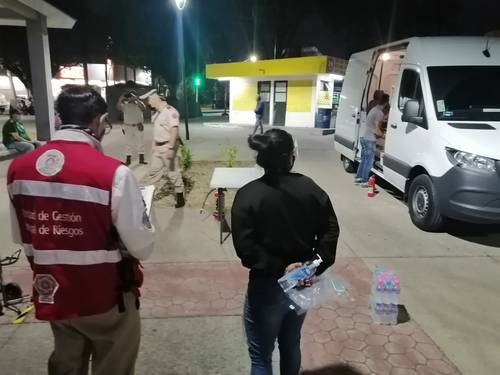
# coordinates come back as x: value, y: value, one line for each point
x: 129, y: 160
x: 180, y: 201
x: 141, y: 159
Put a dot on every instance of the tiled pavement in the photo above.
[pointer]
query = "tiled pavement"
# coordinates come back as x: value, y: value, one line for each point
x: 337, y: 332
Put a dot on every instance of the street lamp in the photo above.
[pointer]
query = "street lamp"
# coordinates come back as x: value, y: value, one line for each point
x: 180, y: 33
x: 180, y: 4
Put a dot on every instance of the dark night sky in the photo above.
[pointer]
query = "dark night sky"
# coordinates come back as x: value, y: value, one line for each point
x: 145, y: 29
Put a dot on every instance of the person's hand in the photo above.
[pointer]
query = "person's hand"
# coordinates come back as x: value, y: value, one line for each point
x: 170, y: 153
x: 293, y: 266
x: 306, y: 282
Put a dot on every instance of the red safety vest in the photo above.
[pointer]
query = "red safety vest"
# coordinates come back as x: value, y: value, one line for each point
x: 62, y: 196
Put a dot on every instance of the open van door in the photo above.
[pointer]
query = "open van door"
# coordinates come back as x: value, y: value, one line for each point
x: 349, y: 112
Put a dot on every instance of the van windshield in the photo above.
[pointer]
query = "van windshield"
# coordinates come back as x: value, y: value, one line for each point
x: 466, y: 93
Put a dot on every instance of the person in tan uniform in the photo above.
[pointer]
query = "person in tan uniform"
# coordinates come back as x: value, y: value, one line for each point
x: 166, y: 141
x: 133, y: 120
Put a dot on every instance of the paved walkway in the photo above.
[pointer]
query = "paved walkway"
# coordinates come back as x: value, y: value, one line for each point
x: 194, y: 287
x: 335, y: 333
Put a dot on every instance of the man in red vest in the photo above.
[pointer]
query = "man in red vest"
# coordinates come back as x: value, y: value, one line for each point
x: 81, y: 219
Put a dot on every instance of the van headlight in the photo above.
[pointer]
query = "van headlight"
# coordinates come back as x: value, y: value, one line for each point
x: 472, y: 161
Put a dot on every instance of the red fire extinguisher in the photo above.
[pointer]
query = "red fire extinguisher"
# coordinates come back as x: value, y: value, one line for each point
x: 371, y: 182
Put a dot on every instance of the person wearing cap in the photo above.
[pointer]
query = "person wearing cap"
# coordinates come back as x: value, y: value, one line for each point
x: 15, y: 136
x: 166, y: 141
x: 133, y: 119
x: 83, y: 224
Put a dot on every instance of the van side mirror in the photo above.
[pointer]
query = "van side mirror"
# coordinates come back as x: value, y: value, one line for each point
x: 411, y: 113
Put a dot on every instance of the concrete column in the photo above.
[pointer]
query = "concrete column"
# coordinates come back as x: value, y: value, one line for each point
x: 41, y: 75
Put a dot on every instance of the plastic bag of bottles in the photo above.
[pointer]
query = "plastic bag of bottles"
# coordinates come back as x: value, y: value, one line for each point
x: 326, y: 287
x: 386, y: 288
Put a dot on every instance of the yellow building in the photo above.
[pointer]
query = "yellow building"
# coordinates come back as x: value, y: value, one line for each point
x: 295, y: 88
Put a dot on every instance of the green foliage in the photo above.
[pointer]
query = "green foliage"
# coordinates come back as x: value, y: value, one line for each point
x: 230, y: 153
x: 186, y: 158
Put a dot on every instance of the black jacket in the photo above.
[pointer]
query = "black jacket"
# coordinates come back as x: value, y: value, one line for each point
x: 259, y: 108
x: 279, y: 220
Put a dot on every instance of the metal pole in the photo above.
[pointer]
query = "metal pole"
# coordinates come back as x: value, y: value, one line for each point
x: 86, y: 73
x: 106, y: 73
x: 182, y: 68
x: 225, y: 99
x: 381, y: 72
x: 12, y: 88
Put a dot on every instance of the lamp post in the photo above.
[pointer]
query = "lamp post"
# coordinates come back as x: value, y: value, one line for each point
x: 180, y: 33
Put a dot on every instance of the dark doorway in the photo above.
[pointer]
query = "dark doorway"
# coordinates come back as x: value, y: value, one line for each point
x: 264, y: 90
x: 280, y: 92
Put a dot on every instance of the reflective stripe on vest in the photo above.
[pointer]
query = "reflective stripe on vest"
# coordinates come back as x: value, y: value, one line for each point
x: 72, y: 257
x: 58, y: 190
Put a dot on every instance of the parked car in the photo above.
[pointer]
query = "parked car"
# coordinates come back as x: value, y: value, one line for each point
x: 4, y: 104
x: 442, y: 143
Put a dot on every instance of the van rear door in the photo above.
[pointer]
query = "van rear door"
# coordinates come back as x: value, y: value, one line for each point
x: 349, y: 112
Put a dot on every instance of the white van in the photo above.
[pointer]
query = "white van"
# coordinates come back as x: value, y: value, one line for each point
x: 442, y: 146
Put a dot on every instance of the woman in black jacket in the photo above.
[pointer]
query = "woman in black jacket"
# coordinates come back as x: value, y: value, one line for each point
x: 279, y: 222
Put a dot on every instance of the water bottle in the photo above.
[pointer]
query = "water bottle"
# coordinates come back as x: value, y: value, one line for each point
x: 377, y: 311
x: 292, y: 278
x: 385, y: 296
x: 392, y: 314
x: 396, y: 290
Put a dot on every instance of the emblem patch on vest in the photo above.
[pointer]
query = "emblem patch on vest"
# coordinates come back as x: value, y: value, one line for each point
x: 46, y: 286
x: 50, y: 163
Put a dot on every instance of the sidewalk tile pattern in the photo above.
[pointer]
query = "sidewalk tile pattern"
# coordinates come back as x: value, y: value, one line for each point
x: 335, y: 333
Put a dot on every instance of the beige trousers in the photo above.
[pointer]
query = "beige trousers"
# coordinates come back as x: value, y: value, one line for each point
x: 111, y: 339
x: 161, y: 166
x: 134, y: 140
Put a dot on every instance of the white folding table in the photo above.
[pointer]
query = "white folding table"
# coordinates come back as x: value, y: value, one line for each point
x: 230, y: 178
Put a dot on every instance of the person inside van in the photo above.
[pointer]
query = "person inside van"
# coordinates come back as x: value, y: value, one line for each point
x: 381, y: 129
x: 377, y: 95
x: 368, y: 140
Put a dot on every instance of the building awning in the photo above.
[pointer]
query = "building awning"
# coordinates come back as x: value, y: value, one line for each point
x: 298, y: 66
x: 16, y: 12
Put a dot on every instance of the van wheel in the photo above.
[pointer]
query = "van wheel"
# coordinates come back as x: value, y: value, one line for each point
x: 424, y: 204
x: 348, y: 165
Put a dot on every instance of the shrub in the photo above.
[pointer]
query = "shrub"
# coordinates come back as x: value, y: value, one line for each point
x: 230, y: 153
x: 186, y: 158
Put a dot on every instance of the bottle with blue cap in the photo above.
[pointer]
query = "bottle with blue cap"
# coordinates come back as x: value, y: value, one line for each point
x: 292, y: 278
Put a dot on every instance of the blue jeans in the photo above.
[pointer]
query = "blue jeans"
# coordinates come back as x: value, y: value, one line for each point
x: 267, y: 317
x: 367, y: 157
x: 21, y: 147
